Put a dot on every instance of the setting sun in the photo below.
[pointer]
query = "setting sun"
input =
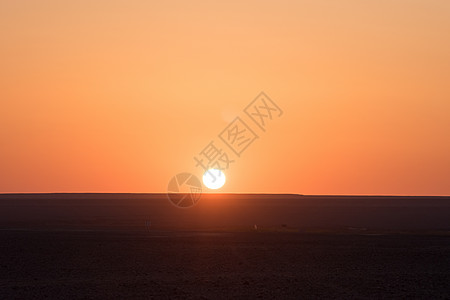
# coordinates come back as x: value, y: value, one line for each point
x: 214, y: 179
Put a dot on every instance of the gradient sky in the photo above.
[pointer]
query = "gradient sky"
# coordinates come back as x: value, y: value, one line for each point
x: 119, y: 96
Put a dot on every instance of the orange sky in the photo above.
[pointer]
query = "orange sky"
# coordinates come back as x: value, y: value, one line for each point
x: 119, y: 96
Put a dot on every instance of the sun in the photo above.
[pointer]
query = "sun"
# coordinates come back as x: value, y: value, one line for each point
x: 214, y: 179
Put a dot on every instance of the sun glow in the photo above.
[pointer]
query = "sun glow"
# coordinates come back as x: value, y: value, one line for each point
x: 214, y: 179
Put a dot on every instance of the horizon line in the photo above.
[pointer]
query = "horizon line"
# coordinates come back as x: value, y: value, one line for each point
x: 229, y: 193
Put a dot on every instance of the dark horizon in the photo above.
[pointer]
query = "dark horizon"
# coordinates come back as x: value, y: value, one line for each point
x: 227, y: 211
x: 228, y: 193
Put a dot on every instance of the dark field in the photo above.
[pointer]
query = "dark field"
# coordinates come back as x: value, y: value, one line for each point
x: 81, y: 246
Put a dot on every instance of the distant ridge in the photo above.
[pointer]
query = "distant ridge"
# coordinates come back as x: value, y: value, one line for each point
x: 114, y: 195
x: 130, y: 211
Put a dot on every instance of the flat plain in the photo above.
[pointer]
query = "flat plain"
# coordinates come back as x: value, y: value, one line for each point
x: 140, y: 246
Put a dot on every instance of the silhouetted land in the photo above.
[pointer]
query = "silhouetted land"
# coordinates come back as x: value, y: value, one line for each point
x: 140, y: 246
